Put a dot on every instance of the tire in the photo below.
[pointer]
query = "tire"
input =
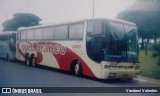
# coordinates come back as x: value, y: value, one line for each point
x: 8, y: 57
x: 77, y: 69
x: 27, y: 57
x: 33, y: 61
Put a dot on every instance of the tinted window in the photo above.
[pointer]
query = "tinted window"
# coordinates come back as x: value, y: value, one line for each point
x: 95, y: 40
x: 30, y: 34
x: 117, y: 30
x: 61, y: 32
x: 12, y: 42
x: 116, y: 44
x: 14, y: 37
x: 48, y: 33
x: 4, y: 37
x: 89, y: 30
x: 131, y: 33
x: 97, y: 29
x: 38, y: 33
x: 19, y: 36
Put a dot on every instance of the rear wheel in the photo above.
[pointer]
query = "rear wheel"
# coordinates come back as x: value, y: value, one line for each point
x: 77, y: 68
x: 27, y: 59
x: 33, y: 61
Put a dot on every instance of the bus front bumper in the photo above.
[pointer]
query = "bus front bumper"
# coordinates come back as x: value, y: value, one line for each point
x: 120, y: 74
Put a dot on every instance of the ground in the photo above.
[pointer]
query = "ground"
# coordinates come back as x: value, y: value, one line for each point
x: 149, y: 65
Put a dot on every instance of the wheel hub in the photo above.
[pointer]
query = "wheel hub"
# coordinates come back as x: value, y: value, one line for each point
x: 76, y: 69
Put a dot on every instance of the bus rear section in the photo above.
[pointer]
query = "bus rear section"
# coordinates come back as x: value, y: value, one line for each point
x: 8, y: 45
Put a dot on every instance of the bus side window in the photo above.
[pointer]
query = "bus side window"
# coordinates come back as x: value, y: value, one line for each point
x: 12, y: 42
x: 48, y: 33
x: 23, y: 35
x: 79, y: 31
x: 76, y: 31
x: 72, y: 32
x: 3, y: 37
x: 38, y: 35
x: 30, y: 34
x: 61, y: 32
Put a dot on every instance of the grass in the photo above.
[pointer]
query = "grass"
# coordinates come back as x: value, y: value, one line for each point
x: 149, y: 65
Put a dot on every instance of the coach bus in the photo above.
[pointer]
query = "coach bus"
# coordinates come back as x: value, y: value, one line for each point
x: 101, y: 48
x: 8, y: 45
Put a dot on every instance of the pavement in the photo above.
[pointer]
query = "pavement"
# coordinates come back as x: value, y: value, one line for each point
x: 150, y: 81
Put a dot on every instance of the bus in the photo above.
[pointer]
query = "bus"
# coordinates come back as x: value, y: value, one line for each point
x: 101, y: 48
x: 8, y: 45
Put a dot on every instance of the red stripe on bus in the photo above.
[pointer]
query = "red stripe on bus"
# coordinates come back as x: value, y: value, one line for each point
x: 39, y: 57
x: 64, y: 60
x: 20, y: 50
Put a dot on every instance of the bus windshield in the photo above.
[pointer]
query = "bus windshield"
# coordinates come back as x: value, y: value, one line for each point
x: 121, y: 43
x: 112, y: 41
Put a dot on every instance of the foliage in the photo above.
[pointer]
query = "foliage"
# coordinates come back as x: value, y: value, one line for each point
x: 147, y: 22
x: 148, y: 65
x: 20, y: 20
x: 156, y: 47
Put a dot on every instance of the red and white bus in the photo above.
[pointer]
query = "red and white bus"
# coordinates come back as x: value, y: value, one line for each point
x: 100, y: 48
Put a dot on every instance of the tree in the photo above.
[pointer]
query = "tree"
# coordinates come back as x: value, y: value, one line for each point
x: 146, y: 18
x: 147, y: 23
x: 20, y: 20
x: 156, y: 47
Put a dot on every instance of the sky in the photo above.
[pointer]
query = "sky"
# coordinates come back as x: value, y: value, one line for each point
x: 51, y: 11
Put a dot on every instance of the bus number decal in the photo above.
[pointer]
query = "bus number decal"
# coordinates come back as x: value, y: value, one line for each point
x: 76, y: 46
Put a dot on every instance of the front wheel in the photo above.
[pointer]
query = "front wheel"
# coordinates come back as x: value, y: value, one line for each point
x: 33, y: 61
x: 77, y: 69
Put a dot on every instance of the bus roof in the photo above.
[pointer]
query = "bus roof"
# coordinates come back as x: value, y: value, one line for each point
x: 63, y: 23
x: 116, y: 20
x: 8, y: 32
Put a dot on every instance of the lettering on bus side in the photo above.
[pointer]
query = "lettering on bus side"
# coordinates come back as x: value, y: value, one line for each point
x: 76, y: 46
x: 53, y: 48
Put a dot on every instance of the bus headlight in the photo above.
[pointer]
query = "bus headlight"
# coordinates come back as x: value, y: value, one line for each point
x: 106, y: 66
x: 111, y: 75
x: 136, y: 67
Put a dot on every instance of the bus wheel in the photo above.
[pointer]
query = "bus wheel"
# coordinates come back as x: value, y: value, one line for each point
x: 27, y: 59
x: 77, y: 69
x: 33, y: 61
x: 7, y: 57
